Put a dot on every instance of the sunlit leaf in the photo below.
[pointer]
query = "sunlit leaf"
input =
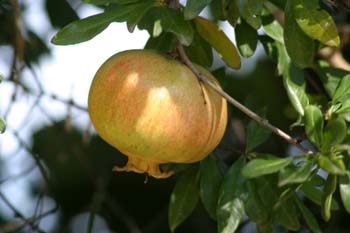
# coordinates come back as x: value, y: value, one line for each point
x: 219, y: 41
x: 294, y: 83
x: 329, y: 189
x: 184, y: 198
x: 210, y: 182
x: 343, y: 90
x: 344, y: 187
x: 87, y: 28
x: 300, y: 47
x: 316, y: 22
x: 330, y: 165
x: 259, y: 167
x: 272, y: 28
x: 314, y: 124
x: 194, y: 7
x: 246, y: 38
x: 230, y: 208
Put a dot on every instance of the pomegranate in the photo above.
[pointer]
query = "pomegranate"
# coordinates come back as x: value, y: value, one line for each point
x: 153, y: 109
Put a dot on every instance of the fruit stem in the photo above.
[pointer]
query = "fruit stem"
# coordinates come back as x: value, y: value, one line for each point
x: 235, y: 103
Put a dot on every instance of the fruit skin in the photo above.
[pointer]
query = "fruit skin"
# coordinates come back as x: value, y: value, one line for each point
x: 154, y: 110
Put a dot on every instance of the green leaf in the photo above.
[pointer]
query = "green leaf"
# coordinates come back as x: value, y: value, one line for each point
x: 194, y: 7
x: 295, y: 174
x: 343, y: 90
x: 162, y: 43
x: 231, y: 12
x: 87, y: 28
x: 330, y: 165
x: 286, y: 215
x: 173, y: 21
x: 329, y: 189
x: 219, y: 41
x: 334, y: 132
x: 272, y: 28
x: 101, y: 2
x: 259, y: 167
x: 315, y: 195
x: 344, y: 187
x: 256, y: 135
x: 138, y: 13
x: 230, y: 208
x: 246, y: 38
x: 310, y: 219
x: 2, y: 125
x: 316, y: 22
x: 300, y: 47
x: 250, y: 10
x: 283, y: 63
x: 255, y: 206
x: 314, y: 124
x: 184, y: 198
x: 269, y: 47
x: 294, y: 83
x: 210, y: 182
x: 330, y: 76
x: 60, y: 13
x: 200, y: 51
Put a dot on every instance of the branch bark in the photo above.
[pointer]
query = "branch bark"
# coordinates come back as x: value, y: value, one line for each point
x: 238, y: 105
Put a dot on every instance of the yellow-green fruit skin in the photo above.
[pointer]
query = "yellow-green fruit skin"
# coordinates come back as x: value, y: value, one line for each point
x: 154, y: 110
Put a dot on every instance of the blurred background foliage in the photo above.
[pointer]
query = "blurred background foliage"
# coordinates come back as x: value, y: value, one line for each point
x: 76, y: 167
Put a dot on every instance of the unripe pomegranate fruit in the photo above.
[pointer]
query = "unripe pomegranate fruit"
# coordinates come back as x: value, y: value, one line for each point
x: 154, y: 110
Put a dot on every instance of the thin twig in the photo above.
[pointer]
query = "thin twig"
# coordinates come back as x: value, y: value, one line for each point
x: 238, y: 105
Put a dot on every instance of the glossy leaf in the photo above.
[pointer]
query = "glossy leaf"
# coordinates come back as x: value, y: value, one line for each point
x: 256, y: 135
x: 283, y: 60
x: 230, y: 208
x: 343, y: 90
x: 173, y: 21
x: 329, y: 189
x: 315, y: 195
x: 184, y: 198
x: 294, y: 83
x: 246, y: 38
x: 250, y: 10
x: 295, y: 174
x: 310, y: 219
x: 316, y: 22
x: 330, y: 165
x: 334, y: 132
x: 194, y: 7
x: 210, y: 182
x: 87, y: 28
x: 300, y: 47
x: 259, y: 167
x: 272, y: 28
x: 219, y: 41
x: 344, y: 187
x: 314, y: 124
